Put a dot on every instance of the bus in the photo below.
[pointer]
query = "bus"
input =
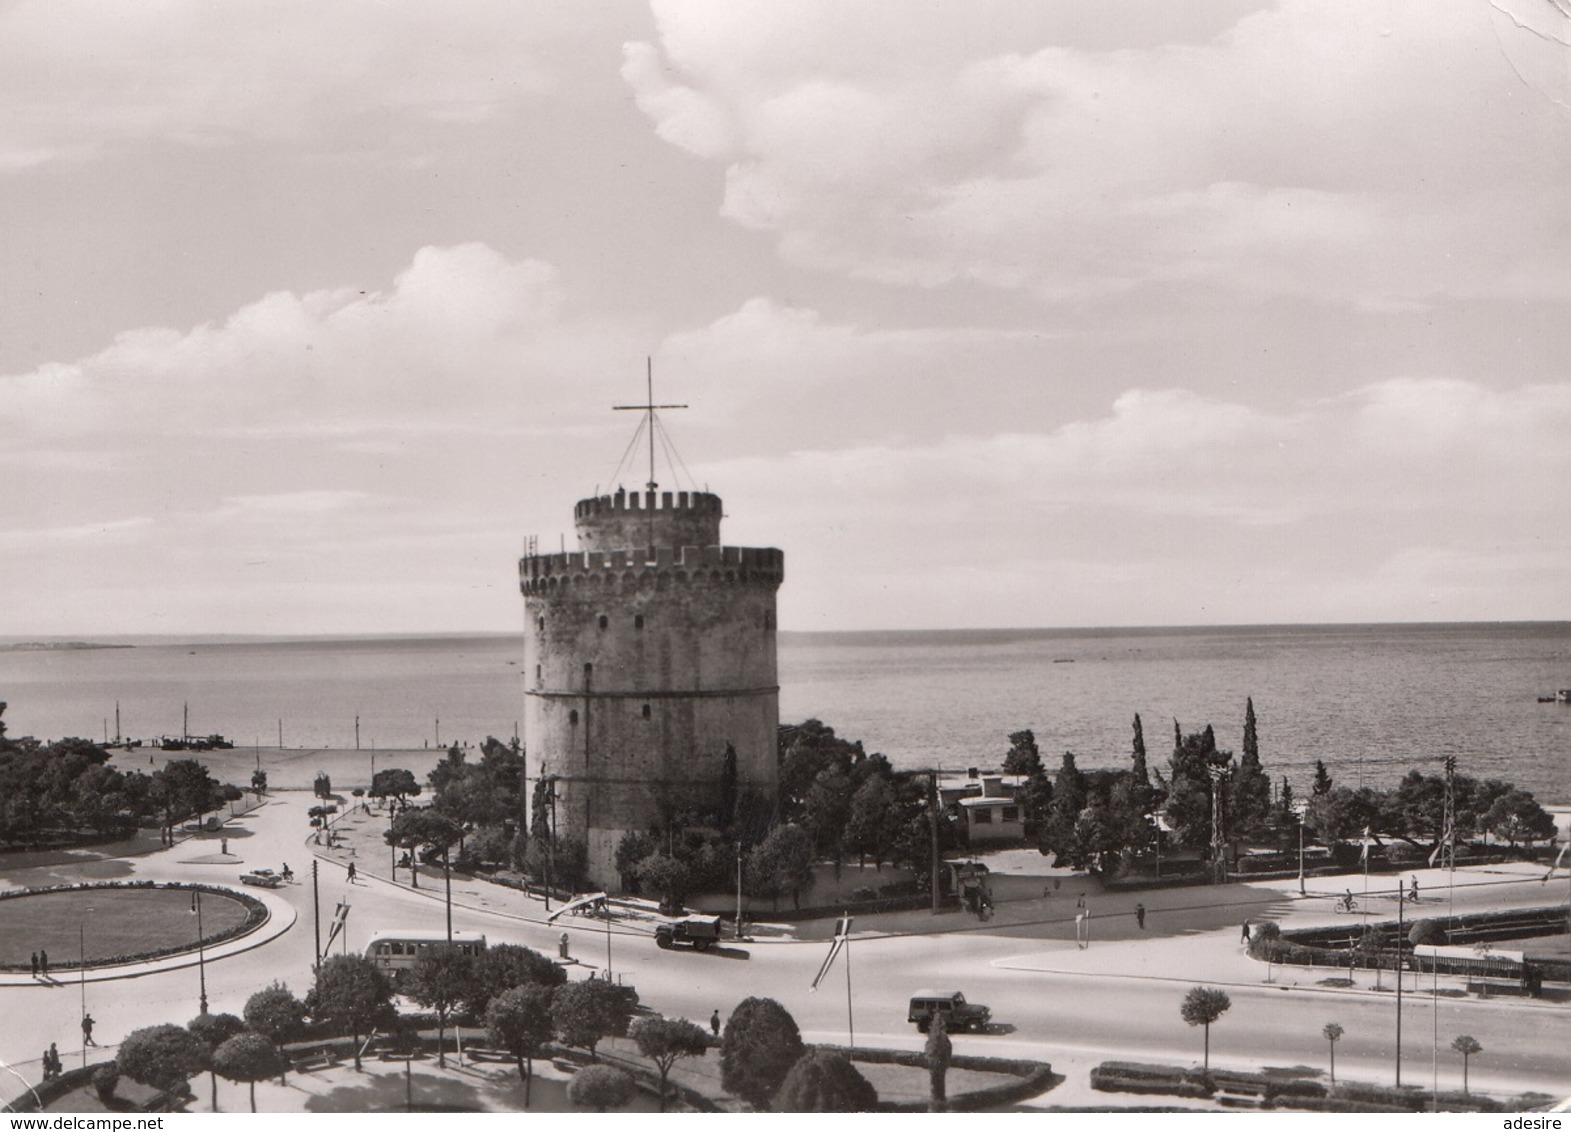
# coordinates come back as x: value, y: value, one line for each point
x: 395, y: 951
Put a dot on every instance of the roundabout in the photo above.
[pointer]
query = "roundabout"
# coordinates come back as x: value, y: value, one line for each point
x: 113, y: 925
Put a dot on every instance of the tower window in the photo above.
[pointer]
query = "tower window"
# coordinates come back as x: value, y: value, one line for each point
x: 537, y: 672
x: 638, y: 621
x: 572, y: 716
x: 540, y: 624
x: 604, y: 621
x: 647, y: 712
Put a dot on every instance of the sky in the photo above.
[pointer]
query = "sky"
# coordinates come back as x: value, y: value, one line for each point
x: 988, y: 313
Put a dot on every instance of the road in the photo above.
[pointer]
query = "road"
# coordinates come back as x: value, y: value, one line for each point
x: 1117, y: 998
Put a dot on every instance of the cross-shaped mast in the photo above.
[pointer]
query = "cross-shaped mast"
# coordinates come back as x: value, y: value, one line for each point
x: 649, y: 407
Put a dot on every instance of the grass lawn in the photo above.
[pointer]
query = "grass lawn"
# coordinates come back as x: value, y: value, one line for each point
x: 113, y: 922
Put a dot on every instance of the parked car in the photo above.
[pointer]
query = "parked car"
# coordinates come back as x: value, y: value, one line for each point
x: 262, y: 878
x: 958, y: 1014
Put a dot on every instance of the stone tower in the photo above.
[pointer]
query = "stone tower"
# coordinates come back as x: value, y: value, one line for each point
x: 648, y: 651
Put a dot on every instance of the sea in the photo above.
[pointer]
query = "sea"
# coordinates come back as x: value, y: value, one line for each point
x: 1371, y: 701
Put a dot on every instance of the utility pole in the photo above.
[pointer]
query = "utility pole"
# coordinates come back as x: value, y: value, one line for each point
x: 447, y: 876
x: 932, y: 821
x: 1400, y: 936
x: 316, y: 912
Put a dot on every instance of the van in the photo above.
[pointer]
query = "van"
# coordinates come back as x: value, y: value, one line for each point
x: 958, y: 1014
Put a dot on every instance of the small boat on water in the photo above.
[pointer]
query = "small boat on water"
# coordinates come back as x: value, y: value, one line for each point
x: 1563, y: 696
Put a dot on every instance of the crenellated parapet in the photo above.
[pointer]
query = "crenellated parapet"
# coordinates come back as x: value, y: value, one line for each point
x: 666, y: 518
x: 742, y: 565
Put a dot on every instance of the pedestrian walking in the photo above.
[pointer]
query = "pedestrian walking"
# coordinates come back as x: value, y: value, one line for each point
x: 35, y: 964
x: 223, y: 846
x: 49, y: 1066
x: 1140, y: 916
x: 87, y: 1030
x: 1245, y: 937
x: 54, y: 1061
x: 714, y: 1022
x: 43, y: 963
x: 351, y: 872
x: 1414, y: 895
x: 562, y: 947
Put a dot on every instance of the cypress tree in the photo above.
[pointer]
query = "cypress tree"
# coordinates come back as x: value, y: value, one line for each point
x: 1141, y: 772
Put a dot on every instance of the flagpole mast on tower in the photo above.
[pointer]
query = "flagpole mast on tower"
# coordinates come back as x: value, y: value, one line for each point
x: 649, y: 407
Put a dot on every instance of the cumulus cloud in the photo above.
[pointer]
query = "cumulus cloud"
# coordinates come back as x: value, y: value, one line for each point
x: 1377, y: 154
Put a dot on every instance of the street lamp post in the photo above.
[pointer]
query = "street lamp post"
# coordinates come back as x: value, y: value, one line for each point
x: 1301, y: 809
x: 81, y: 979
x: 201, y: 951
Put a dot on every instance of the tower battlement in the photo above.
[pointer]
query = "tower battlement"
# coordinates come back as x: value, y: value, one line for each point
x: 692, y: 502
x: 641, y: 565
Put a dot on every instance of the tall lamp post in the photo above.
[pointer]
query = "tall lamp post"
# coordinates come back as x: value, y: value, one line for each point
x: 81, y: 974
x: 201, y: 950
x: 1300, y: 808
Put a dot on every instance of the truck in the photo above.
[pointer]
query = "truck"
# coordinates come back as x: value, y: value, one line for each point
x: 699, y: 932
x: 958, y: 1014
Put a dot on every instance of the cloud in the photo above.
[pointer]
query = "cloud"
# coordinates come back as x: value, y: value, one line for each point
x: 1369, y: 153
x: 80, y: 76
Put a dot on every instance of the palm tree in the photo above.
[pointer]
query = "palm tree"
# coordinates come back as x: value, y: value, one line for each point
x: 1333, y: 1034
x: 1467, y: 1046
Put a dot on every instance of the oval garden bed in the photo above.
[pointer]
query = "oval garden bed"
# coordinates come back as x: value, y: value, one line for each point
x: 110, y: 924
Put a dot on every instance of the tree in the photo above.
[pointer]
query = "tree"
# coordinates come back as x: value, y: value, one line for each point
x: 443, y: 976
x: 875, y: 819
x: 587, y: 1011
x: 1203, y: 1006
x: 760, y: 1046
x: 781, y: 863
x: 275, y: 1014
x: 519, y: 1021
x: 937, y: 1054
x: 1333, y: 1034
x: 248, y: 1057
x: 1024, y: 757
x: 351, y: 994
x: 1249, y: 787
x: 665, y: 1041
x: 666, y: 878
x: 395, y: 783
x: 422, y: 830
x: 630, y: 853
x: 1322, y: 783
x: 1069, y: 798
x: 1467, y: 1046
x: 162, y: 1057
x: 1188, y: 807
x: 600, y: 1087
x: 213, y: 1030
x: 1138, y: 754
x: 509, y: 965
x: 821, y: 1081
x: 1517, y: 816
x: 828, y: 812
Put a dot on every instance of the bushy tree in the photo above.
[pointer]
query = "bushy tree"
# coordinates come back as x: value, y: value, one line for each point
x: 1203, y: 1006
x: 247, y: 1057
x: 760, y: 1045
x: 509, y: 965
x: 350, y: 994
x: 442, y: 977
x: 1069, y: 798
x: 277, y: 1015
x: 1188, y: 805
x: 1323, y: 782
x: 666, y: 878
x: 1023, y: 757
x: 600, y: 1087
x: 519, y: 1021
x: 213, y: 1030
x: 420, y: 831
x: 631, y: 851
x: 665, y: 1041
x: 162, y: 1057
x: 395, y: 783
x: 825, y: 1082
x: 781, y: 863
x: 585, y: 1012
x: 1517, y: 816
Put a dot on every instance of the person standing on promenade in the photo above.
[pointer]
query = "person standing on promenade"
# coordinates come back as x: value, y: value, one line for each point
x: 87, y: 1030
x: 35, y: 964
x: 55, y: 1067
x: 351, y: 872
x: 714, y: 1021
x: 1140, y: 916
x: 43, y: 963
